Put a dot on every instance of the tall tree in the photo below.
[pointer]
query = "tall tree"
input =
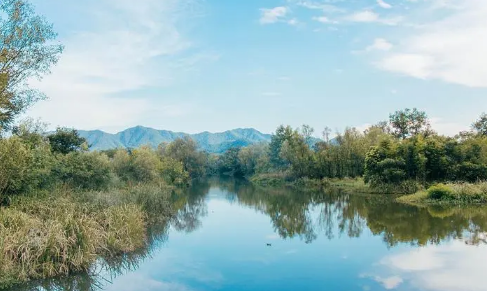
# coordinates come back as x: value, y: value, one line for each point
x: 480, y: 125
x: 277, y: 140
x: 406, y: 123
x: 66, y: 140
x: 26, y: 51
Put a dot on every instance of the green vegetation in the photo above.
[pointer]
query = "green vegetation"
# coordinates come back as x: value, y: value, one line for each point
x: 26, y: 51
x: 457, y: 193
x: 401, y: 156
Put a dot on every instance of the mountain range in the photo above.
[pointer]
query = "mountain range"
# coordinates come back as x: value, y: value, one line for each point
x: 139, y: 135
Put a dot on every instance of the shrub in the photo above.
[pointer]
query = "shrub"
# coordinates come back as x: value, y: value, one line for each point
x: 440, y: 192
x: 15, y: 160
x: 83, y: 170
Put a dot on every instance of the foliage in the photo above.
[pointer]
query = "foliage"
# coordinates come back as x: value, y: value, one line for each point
x: 456, y: 193
x: 440, y: 191
x: 281, y: 135
x: 407, y: 123
x: 185, y: 150
x: 26, y: 51
x: 229, y: 163
x: 15, y: 160
x: 83, y: 170
x: 66, y: 140
x: 480, y: 125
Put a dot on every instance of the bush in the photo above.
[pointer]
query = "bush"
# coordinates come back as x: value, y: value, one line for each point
x: 440, y: 192
x: 83, y: 170
x: 15, y: 162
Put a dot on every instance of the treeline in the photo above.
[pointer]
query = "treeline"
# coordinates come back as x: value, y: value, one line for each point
x: 398, y: 155
x: 31, y: 161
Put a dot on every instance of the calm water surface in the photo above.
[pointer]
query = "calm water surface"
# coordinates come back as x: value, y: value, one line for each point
x: 319, y: 241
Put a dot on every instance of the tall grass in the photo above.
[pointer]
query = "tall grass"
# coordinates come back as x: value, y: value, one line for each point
x: 65, y: 233
x: 450, y: 193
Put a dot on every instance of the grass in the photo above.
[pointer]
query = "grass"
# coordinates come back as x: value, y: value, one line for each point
x: 355, y: 185
x: 65, y: 233
x: 451, y: 193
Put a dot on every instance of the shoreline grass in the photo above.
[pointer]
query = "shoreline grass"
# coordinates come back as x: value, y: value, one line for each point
x: 66, y: 232
x: 352, y: 185
x: 450, y: 193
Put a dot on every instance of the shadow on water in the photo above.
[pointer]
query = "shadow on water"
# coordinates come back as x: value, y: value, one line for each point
x: 295, y: 214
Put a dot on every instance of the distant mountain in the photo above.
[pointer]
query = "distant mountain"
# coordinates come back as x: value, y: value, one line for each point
x: 139, y: 135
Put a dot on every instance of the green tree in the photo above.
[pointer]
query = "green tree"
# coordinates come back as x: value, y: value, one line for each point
x: 480, y: 125
x: 26, y: 51
x: 407, y: 122
x: 15, y: 159
x: 229, y: 163
x: 83, y: 170
x: 66, y: 140
x: 297, y: 153
x: 185, y: 150
x: 277, y: 140
x: 254, y: 159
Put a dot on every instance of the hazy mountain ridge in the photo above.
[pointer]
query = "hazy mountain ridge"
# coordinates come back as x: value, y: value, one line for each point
x: 139, y: 135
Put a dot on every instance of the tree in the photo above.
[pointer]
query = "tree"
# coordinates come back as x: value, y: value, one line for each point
x: 66, y: 140
x: 282, y: 134
x: 307, y: 132
x: 406, y: 123
x: 185, y: 150
x: 229, y: 163
x: 480, y: 126
x: 296, y: 152
x: 26, y: 51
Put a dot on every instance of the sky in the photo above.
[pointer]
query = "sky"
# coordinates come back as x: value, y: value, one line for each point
x: 214, y: 65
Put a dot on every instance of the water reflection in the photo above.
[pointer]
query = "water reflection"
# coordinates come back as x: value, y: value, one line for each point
x: 430, y: 248
x: 292, y: 215
x: 454, y: 266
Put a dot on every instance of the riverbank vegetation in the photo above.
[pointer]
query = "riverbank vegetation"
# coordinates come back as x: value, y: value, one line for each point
x: 402, y: 156
x: 63, y: 209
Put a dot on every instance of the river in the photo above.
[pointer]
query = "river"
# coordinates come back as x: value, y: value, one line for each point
x: 230, y: 235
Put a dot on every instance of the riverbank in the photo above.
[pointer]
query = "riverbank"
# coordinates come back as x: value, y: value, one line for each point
x: 352, y: 185
x: 411, y: 191
x: 283, y: 180
x: 450, y: 193
x: 63, y: 232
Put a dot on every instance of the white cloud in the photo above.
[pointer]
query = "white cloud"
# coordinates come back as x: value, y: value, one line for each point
x: 293, y: 22
x: 132, y: 46
x: 322, y: 19
x: 364, y: 16
x: 318, y: 6
x: 451, y: 49
x: 389, y: 283
x: 380, y: 44
x: 273, y: 15
x: 383, y: 4
x: 415, y: 65
x: 368, y: 16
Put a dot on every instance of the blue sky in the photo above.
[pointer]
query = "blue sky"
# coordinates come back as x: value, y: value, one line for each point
x: 196, y: 65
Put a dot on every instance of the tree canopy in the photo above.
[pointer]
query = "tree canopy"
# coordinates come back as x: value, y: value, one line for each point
x: 27, y: 50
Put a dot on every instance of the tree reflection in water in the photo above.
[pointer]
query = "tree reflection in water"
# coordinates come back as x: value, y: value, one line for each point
x: 295, y: 214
